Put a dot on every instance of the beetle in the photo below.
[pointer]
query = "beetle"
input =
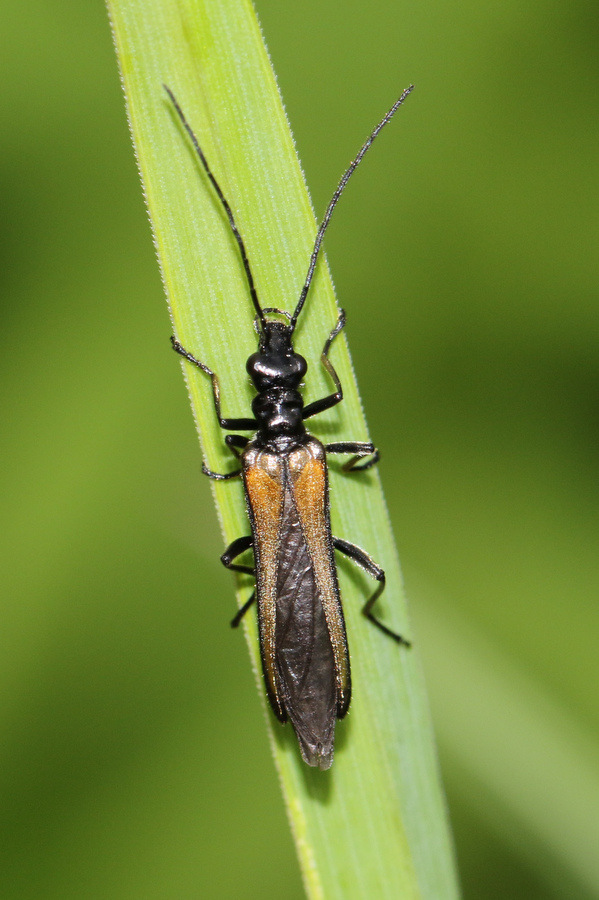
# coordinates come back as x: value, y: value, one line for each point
x: 303, y: 641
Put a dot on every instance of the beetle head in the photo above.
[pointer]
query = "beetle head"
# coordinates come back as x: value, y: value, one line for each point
x: 276, y: 364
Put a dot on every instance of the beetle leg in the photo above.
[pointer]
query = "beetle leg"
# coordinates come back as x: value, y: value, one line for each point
x: 241, y: 613
x: 236, y: 548
x: 229, y: 424
x: 360, y: 449
x: 220, y: 476
x: 232, y: 441
x: 236, y: 442
x: 318, y: 406
x: 239, y: 546
x: 368, y: 564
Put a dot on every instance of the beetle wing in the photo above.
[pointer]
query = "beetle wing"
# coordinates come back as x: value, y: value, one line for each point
x: 305, y: 664
x: 302, y: 633
x: 264, y: 479
x: 309, y: 484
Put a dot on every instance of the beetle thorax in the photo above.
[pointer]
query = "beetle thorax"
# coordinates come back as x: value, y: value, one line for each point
x: 277, y: 371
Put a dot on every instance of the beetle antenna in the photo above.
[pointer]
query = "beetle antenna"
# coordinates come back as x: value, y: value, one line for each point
x: 223, y: 200
x: 335, y: 199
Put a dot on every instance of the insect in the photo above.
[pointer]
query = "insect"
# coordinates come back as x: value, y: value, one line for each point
x: 303, y: 641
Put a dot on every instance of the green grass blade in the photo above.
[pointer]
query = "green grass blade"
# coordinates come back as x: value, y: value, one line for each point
x: 374, y: 825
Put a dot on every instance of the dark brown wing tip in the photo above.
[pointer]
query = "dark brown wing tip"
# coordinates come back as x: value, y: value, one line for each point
x: 317, y: 755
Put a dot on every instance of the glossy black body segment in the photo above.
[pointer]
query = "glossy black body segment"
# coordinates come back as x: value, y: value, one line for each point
x: 303, y: 642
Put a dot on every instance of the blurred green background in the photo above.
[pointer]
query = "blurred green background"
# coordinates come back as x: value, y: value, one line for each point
x: 133, y: 756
